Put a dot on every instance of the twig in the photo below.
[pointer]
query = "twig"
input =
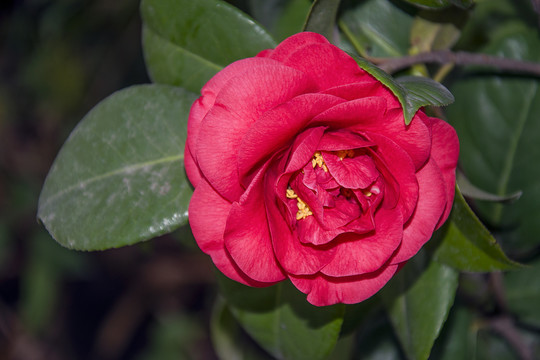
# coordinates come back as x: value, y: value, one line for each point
x: 391, y: 65
x: 505, y: 327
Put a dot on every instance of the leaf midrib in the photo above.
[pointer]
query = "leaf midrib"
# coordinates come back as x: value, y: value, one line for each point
x: 512, y: 151
x: 128, y: 169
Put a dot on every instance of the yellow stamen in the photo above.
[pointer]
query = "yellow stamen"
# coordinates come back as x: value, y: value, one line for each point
x: 342, y: 154
x: 318, y: 160
x: 291, y: 194
x: 303, y: 209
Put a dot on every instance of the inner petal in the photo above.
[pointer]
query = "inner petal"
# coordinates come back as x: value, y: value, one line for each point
x: 356, y: 172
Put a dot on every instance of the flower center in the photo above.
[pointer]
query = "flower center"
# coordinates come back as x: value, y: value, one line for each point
x: 303, y: 209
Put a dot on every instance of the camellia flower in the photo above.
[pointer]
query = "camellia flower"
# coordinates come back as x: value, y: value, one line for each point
x: 304, y: 169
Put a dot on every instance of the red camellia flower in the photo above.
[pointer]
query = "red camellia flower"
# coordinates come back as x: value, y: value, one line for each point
x: 304, y: 169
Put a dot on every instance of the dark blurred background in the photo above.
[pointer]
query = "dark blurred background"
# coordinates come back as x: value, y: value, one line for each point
x: 150, y: 301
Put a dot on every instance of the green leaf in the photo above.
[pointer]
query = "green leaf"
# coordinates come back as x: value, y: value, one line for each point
x: 430, y: 4
x: 281, y: 320
x: 495, y: 116
x: 422, y: 91
x: 458, y: 338
x: 376, y: 340
x: 119, y: 178
x: 418, y: 300
x: 367, y: 27
x: 281, y: 18
x: 470, y: 191
x: 186, y: 42
x: 413, y: 92
x: 523, y: 293
x: 322, y: 17
x: 228, y: 338
x: 466, y: 244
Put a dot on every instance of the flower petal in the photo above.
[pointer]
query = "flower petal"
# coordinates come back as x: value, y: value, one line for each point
x: 400, y: 166
x: 238, y: 105
x: 324, y: 290
x: 278, y: 127
x: 432, y: 200
x: 358, y: 254
x: 445, y: 153
x: 327, y: 65
x: 357, y: 172
x: 293, y: 256
x: 208, y: 213
x: 251, y: 245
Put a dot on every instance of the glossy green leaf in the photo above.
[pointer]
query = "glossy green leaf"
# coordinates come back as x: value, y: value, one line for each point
x: 367, y: 27
x: 413, y: 92
x: 376, y: 341
x: 281, y: 320
x: 470, y: 191
x: 422, y: 91
x: 119, y: 178
x: 322, y: 17
x: 185, y: 42
x: 228, y: 339
x: 466, y: 244
x: 464, y: 4
x: 496, y: 120
x: 281, y: 18
x: 522, y: 292
x: 458, y: 338
x: 430, y: 4
x: 418, y: 300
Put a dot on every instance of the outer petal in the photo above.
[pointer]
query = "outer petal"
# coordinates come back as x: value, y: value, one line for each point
x: 208, y: 213
x: 445, y: 152
x: 247, y: 236
x: 361, y: 254
x: 431, y: 204
x: 279, y: 126
x: 324, y: 290
x: 192, y: 170
x: 209, y: 92
x: 239, y: 104
x: 371, y: 114
x: 294, y: 43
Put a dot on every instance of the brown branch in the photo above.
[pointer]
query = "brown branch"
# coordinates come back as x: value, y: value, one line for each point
x: 506, y: 328
x: 392, y: 65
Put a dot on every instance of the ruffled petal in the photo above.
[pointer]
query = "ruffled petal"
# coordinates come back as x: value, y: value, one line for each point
x: 401, y: 168
x: 368, y: 87
x: 357, y: 172
x: 247, y: 236
x: 192, y: 170
x: 372, y: 114
x: 327, y: 65
x: 238, y: 105
x: 324, y: 290
x: 445, y: 153
x: 431, y: 204
x: 278, y: 127
x: 292, y: 44
x: 359, y: 254
x: 356, y: 114
x: 208, y: 213
x: 293, y: 256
